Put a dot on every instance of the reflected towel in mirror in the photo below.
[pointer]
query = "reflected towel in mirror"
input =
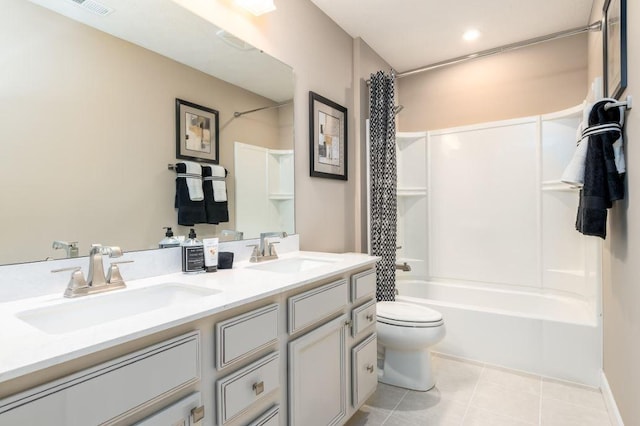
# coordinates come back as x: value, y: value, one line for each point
x: 215, y: 194
x: 190, y: 212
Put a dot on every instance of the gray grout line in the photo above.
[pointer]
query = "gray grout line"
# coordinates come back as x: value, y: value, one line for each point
x: 466, y: 411
x: 394, y: 408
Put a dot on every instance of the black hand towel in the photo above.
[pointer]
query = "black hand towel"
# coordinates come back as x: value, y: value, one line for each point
x: 189, y: 212
x: 217, y: 211
x: 602, y: 183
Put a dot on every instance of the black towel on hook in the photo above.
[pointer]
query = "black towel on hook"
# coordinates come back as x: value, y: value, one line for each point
x: 217, y: 211
x: 602, y: 182
x: 189, y: 212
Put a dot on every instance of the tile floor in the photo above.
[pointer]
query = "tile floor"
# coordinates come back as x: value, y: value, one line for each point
x: 474, y: 394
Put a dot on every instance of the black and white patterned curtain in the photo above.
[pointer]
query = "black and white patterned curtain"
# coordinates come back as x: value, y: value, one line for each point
x: 383, y: 182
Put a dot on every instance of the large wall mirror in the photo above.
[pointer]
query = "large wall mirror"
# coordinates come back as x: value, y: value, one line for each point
x: 87, y: 128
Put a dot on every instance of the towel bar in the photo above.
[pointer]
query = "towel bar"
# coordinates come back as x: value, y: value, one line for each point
x: 628, y: 103
x: 173, y: 167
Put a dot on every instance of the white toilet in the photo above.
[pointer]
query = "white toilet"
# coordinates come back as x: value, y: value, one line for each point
x: 406, y: 331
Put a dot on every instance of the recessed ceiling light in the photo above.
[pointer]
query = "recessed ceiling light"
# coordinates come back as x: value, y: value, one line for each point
x: 471, y: 35
x: 257, y: 7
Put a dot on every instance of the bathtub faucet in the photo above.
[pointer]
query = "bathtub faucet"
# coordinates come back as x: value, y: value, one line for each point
x: 404, y: 267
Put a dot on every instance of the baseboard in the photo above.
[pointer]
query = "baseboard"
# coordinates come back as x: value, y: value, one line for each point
x: 610, y: 402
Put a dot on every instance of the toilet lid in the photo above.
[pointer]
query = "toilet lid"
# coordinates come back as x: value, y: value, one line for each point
x: 407, y: 312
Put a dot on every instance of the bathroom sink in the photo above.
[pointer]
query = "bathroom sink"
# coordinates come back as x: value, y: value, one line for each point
x: 90, y: 311
x: 293, y: 265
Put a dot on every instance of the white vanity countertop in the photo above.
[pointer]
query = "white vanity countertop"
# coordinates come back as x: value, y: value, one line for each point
x: 25, y: 349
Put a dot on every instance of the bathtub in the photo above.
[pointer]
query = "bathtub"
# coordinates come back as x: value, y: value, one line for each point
x: 551, y: 335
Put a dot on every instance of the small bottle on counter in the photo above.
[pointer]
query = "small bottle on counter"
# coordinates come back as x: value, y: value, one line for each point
x: 192, y: 254
x: 210, y: 254
x: 169, y: 240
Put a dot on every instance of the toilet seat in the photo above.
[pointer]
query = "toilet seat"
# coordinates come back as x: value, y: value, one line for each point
x: 403, y: 314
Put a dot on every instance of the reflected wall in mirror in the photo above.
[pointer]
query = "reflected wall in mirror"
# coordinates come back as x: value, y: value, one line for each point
x: 88, y: 121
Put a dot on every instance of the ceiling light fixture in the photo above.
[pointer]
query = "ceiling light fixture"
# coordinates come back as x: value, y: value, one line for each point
x: 471, y: 35
x: 257, y: 7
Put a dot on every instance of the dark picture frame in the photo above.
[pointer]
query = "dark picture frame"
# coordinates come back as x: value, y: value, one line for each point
x: 328, y: 144
x: 614, y: 43
x: 197, y: 132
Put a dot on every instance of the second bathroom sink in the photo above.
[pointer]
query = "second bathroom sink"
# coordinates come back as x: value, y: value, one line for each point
x: 293, y: 265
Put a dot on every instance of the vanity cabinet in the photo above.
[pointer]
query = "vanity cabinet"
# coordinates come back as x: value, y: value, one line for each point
x: 318, y: 375
x: 333, y: 365
x: 305, y: 356
x: 112, y: 391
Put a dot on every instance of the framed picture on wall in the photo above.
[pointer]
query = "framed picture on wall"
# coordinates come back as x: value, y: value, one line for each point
x: 614, y: 42
x: 327, y: 138
x: 196, y: 132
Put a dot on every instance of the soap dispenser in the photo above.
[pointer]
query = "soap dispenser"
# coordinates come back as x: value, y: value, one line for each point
x: 192, y: 254
x: 169, y: 240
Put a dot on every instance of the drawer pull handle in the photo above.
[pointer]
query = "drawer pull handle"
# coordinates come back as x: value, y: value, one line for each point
x: 197, y: 414
x: 258, y: 387
x: 370, y: 317
x: 370, y: 368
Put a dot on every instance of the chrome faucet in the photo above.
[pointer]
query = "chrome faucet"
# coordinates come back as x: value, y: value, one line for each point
x: 96, y: 282
x: 96, y: 277
x: 70, y: 248
x: 266, y: 250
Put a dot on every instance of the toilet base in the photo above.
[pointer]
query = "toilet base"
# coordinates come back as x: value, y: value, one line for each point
x: 407, y: 369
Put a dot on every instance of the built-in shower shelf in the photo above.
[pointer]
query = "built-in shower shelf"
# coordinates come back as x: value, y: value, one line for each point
x: 557, y: 185
x: 405, y: 139
x: 280, y: 196
x: 412, y: 192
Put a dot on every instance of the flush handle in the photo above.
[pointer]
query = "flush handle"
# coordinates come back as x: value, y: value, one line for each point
x: 258, y: 387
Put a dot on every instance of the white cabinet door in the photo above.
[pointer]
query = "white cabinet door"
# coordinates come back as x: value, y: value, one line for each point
x: 318, y: 376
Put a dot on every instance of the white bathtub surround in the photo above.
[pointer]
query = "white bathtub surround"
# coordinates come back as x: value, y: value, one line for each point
x: 476, y: 394
x: 25, y: 280
x: 549, y: 335
x: 488, y: 230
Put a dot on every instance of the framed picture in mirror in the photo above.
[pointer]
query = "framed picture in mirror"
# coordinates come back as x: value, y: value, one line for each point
x: 614, y: 42
x: 327, y: 138
x: 196, y: 132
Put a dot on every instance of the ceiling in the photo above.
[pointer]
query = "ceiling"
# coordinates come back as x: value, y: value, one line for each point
x: 410, y: 34
x: 164, y: 27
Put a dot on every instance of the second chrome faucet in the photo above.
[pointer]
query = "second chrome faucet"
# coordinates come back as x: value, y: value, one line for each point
x: 266, y: 250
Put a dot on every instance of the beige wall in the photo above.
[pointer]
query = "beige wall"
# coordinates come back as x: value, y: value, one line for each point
x: 621, y: 269
x: 321, y: 54
x: 544, y: 78
x: 87, y: 129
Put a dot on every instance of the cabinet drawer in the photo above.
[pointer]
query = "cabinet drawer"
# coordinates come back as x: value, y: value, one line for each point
x: 270, y: 418
x: 364, y: 370
x: 363, y: 317
x: 110, y: 392
x: 363, y: 285
x: 238, y: 391
x: 177, y: 414
x: 314, y: 305
x: 241, y: 336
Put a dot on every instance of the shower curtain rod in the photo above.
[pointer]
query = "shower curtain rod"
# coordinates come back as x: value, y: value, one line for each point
x: 239, y: 114
x: 596, y: 26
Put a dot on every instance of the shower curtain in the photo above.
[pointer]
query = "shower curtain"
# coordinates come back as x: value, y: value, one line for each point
x: 383, y: 182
